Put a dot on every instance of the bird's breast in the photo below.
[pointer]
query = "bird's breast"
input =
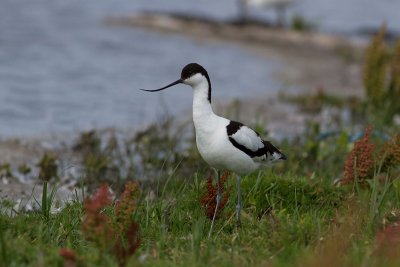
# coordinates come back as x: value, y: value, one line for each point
x: 209, y: 144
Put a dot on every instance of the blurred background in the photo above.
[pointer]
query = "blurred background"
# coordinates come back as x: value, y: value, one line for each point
x: 64, y: 68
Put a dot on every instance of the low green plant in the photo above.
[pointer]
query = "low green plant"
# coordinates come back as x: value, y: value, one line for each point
x: 300, y: 23
x: 5, y: 170
x: 48, y: 167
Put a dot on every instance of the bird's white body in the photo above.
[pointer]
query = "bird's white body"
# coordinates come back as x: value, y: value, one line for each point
x: 213, y: 141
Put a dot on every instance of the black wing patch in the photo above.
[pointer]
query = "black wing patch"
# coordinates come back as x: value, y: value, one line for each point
x: 233, y: 127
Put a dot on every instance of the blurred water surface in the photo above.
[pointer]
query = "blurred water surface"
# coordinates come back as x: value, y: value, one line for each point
x: 62, y: 69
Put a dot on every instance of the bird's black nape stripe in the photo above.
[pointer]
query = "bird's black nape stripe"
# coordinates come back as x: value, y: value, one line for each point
x: 233, y: 127
x: 209, y: 88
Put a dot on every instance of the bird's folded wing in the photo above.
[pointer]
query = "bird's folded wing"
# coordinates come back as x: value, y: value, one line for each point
x: 248, y: 139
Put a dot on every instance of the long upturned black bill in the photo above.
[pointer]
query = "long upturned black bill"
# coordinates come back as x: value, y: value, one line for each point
x: 165, y: 87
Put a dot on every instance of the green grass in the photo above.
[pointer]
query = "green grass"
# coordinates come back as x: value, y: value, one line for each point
x: 279, y: 218
x: 296, y: 214
x: 286, y: 219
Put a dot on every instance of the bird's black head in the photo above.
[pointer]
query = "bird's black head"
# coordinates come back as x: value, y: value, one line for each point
x: 192, y: 69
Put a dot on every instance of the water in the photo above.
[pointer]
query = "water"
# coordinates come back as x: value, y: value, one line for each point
x: 348, y: 17
x: 62, y: 69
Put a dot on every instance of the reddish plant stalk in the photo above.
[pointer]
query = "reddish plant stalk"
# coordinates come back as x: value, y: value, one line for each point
x: 209, y: 196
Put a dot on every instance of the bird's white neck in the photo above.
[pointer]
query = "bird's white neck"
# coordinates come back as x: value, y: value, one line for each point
x: 203, y: 115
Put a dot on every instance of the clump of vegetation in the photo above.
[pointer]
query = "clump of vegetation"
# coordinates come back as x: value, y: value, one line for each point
x: 389, y: 157
x: 5, y: 171
x: 300, y: 23
x: 126, y: 206
x: 126, y: 245
x: 157, y: 144
x: 209, y: 196
x: 24, y: 169
x: 375, y: 68
x: 101, y: 163
x: 361, y: 166
x: 48, y: 167
x: 88, y: 143
x: 116, y: 233
x: 360, y: 162
x: 124, y: 224
x: 97, y: 225
x: 381, y: 72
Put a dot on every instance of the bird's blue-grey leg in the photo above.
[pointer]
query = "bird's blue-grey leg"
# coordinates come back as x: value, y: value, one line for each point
x: 239, y: 205
x: 219, y: 196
